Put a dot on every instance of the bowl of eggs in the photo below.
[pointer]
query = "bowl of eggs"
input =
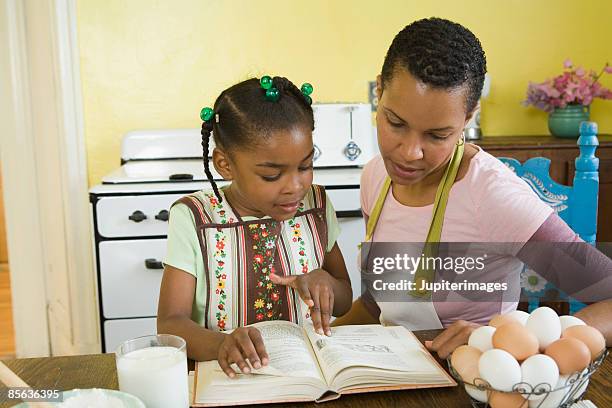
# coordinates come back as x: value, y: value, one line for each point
x: 522, y: 360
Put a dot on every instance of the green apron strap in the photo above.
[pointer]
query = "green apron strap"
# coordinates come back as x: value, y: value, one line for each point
x: 437, y: 221
x: 435, y: 229
x: 375, y: 214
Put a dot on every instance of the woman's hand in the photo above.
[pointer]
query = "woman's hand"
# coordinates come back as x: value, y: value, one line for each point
x: 455, y: 335
x: 316, y: 290
x: 243, y: 343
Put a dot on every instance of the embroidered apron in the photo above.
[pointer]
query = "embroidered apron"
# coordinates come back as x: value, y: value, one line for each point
x: 422, y: 313
x: 239, y: 257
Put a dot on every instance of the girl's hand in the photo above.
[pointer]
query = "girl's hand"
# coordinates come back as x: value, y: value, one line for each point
x: 455, y: 335
x: 316, y: 290
x: 242, y: 343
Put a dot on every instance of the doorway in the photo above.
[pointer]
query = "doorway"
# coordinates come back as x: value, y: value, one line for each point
x: 7, y: 334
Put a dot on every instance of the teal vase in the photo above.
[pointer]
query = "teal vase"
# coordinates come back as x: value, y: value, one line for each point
x: 565, y: 122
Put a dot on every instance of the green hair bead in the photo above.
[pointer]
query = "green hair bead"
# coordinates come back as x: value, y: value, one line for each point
x: 272, y: 94
x: 266, y: 82
x: 306, y: 89
x: 206, y: 114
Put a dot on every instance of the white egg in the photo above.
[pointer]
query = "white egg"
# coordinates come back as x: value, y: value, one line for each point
x: 520, y: 316
x: 555, y: 398
x: 499, y: 369
x: 482, y: 338
x: 478, y: 395
x: 541, y: 373
x: 544, y: 323
x: 569, y: 321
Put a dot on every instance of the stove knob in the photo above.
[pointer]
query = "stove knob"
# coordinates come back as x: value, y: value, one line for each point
x: 317, y: 153
x: 162, y: 216
x: 137, y: 216
x: 352, y: 151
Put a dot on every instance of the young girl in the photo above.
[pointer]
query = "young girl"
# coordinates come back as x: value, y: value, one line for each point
x: 434, y: 187
x: 263, y: 247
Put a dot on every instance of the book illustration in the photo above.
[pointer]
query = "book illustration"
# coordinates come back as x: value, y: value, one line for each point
x: 367, y: 348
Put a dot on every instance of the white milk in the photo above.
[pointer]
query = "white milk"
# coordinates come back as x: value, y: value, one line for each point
x: 156, y: 375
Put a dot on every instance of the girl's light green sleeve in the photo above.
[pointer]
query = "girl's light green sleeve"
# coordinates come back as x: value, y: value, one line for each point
x: 182, y: 247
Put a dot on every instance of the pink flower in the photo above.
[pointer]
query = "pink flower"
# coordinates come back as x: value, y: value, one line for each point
x: 575, y: 86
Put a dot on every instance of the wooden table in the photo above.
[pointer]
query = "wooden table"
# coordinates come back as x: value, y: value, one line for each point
x: 98, y: 370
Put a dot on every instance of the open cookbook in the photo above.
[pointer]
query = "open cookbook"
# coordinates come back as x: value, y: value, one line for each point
x: 306, y: 366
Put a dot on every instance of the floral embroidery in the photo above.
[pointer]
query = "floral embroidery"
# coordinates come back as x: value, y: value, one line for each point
x: 297, y: 237
x: 267, y: 299
x: 221, y: 278
x: 268, y: 302
x: 219, y: 208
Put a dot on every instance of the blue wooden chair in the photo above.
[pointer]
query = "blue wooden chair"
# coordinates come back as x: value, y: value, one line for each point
x: 576, y: 205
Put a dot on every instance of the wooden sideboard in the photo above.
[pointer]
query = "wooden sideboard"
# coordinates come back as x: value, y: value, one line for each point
x: 562, y: 153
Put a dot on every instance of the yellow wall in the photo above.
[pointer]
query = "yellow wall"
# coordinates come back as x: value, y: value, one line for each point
x: 154, y: 64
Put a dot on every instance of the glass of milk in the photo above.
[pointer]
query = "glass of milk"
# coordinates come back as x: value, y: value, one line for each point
x: 154, y: 368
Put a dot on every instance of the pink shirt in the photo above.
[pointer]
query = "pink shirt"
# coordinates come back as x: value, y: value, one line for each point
x: 489, y: 204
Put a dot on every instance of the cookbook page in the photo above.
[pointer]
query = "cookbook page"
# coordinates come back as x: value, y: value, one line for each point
x: 371, y: 346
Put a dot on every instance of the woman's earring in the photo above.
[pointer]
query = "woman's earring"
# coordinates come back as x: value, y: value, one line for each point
x: 461, y: 141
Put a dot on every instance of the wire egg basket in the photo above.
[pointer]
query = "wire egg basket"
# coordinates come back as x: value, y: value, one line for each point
x: 542, y: 395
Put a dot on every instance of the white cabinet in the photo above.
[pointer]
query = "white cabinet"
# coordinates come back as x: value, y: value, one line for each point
x: 130, y: 277
x: 134, y: 216
x: 351, y: 235
x: 118, y: 331
x: 345, y: 199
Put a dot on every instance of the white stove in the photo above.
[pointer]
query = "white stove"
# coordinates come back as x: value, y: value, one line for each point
x: 130, y: 209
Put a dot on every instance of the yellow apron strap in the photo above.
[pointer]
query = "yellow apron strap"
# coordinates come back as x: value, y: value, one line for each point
x: 375, y: 214
x: 435, y: 229
x: 437, y: 221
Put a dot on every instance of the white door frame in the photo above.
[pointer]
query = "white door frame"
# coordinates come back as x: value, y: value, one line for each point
x: 42, y: 151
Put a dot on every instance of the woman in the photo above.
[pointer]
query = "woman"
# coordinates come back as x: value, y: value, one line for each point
x: 429, y: 186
